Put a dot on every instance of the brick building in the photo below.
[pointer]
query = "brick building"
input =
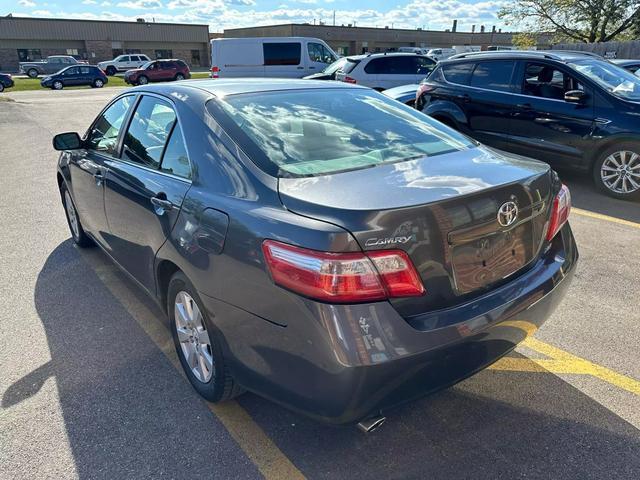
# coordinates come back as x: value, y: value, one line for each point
x: 351, y: 40
x: 26, y: 39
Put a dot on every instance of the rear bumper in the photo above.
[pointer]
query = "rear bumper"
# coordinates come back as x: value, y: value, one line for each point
x: 342, y: 363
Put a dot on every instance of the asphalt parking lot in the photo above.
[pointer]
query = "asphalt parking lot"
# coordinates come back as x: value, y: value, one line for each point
x: 90, y: 386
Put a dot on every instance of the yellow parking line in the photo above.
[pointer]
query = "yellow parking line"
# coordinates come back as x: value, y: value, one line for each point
x: 561, y: 362
x: 600, y: 216
x: 265, y: 455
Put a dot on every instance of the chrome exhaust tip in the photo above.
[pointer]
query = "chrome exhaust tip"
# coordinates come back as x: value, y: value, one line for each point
x: 371, y: 424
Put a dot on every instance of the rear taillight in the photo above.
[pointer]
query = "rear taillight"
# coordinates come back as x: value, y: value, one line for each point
x: 342, y: 277
x: 349, y: 79
x: 215, y: 72
x: 559, y: 212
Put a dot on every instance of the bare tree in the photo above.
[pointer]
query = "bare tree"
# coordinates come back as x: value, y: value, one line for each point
x: 586, y: 21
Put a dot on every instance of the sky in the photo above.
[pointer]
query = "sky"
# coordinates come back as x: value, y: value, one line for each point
x: 221, y: 14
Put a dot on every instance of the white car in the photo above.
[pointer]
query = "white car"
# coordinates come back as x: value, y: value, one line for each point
x: 385, y: 70
x: 441, y: 53
x: 280, y: 57
x: 122, y: 63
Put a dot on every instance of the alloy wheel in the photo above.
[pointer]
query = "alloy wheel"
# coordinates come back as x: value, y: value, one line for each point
x: 193, y: 337
x: 99, y: 83
x: 71, y: 215
x: 620, y: 172
x: 143, y: 80
x: 57, y: 85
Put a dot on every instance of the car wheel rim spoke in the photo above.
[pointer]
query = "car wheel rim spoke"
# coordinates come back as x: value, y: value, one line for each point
x: 193, y: 337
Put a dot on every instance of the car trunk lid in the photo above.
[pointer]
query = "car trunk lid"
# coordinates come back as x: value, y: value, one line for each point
x: 443, y: 211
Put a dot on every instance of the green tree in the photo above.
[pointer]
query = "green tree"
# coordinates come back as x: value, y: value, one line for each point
x: 524, y: 41
x: 586, y: 21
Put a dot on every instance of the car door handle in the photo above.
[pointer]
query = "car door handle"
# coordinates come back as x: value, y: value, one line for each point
x: 464, y: 98
x: 98, y: 178
x: 161, y: 204
x: 524, y: 106
x: 300, y: 68
x: 312, y: 68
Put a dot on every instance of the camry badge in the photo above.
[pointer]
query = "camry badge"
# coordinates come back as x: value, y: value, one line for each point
x: 507, y: 214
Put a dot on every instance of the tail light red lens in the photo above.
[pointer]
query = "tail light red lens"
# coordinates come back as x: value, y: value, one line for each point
x: 342, y: 277
x: 559, y: 212
x: 349, y: 79
x: 215, y: 72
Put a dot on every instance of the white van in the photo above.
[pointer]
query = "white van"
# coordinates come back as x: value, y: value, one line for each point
x: 291, y: 57
x: 416, y: 50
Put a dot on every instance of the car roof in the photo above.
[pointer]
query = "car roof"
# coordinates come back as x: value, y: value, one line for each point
x: 231, y: 86
x: 624, y: 61
x: 557, y: 55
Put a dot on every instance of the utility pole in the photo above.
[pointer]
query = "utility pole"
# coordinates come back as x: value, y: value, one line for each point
x: 334, y: 18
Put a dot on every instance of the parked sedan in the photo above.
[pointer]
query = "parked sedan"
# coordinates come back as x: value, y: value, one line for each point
x: 74, y: 77
x: 632, y: 65
x: 6, y: 81
x: 158, y: 71
x: 338, y: 262
x: 404, y: 94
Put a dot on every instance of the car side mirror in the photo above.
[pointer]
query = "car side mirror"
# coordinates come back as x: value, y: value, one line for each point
x: 67, y: 141
x: 575, y: 96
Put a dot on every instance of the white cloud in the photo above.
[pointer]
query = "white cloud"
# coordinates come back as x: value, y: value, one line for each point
x: 141, y: 4
x: 89, y: 2
x: 221, y: 14
x: 26, y: 3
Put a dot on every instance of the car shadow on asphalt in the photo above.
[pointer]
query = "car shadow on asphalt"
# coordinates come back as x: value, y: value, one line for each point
x: 586, y: 196
x: 128, y: 413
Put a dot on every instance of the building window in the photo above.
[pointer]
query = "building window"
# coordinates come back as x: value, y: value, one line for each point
x: 195, y: 58
x: 115, y: 52
x: 132, y: 50
x: 164, y: 53
x: 29, y: 54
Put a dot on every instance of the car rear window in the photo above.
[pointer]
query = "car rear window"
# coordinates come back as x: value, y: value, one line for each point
x: 459, y: 73
x: 321, y: 131
x: 349, y: 65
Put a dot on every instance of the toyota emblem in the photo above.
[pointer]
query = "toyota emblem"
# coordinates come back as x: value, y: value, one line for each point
x: 507, y: 214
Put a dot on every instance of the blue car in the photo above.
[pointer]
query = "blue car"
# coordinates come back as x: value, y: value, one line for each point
x: 5, y: 81
x: 75, y: 76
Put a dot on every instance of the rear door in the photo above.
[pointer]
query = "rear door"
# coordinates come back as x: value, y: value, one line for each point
x: 145, y: 187
x: 544, y: 125
x: 283, y: 59
x: 489, y: 101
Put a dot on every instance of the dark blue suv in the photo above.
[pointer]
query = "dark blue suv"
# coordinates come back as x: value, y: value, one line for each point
x: 570, y: 109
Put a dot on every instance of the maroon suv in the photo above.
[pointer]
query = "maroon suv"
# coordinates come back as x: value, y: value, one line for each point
x: 158, y: 71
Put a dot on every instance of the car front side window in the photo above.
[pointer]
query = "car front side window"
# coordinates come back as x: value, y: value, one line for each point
x: 148, y: 132
x: 103, y: 136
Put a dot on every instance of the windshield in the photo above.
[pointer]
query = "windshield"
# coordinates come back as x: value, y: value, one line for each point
x: 146, y: 65
x: 335, y: 66
x: 315, y: 132
x: 613, y: 78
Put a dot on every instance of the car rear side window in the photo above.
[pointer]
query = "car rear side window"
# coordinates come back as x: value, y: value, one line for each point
x: 495, y: 75
x: 175, y: 159
x: 103, y: 136
x: 281, y: 53
x: 459, y: 73
x: 148, y: 132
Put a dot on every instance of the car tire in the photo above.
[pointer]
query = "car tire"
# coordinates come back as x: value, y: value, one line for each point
x: 98, y: 83
x: 57, y: 85
x: 198, y: 344
x: 111, y: 71
x: 1, y: 87
x: 142, y: 80
x: 179, y: 77
x: 616, y: 171
x: 78, y: 235
x: 32, y: 73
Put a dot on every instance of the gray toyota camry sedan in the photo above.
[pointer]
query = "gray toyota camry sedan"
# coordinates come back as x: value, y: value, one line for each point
x: 317, y: 243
